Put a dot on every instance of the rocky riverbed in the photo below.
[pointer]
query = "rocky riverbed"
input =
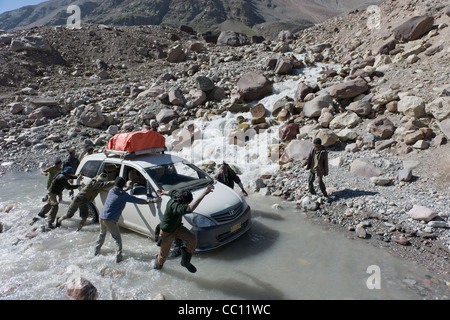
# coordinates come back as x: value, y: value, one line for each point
x: 381, y: 107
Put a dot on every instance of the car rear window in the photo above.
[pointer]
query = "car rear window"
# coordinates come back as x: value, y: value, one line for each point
x: 90, y: 168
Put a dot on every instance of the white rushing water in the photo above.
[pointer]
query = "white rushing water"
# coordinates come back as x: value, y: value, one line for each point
x: 283, y: 256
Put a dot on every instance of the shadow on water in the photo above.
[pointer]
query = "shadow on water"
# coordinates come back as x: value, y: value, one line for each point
x: 258, y: 239
x: 349, y: 193
x: 259, y: 290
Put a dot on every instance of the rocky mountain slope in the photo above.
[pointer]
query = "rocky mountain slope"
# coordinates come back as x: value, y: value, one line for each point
x: 382, y: 110
x: 250, y: 17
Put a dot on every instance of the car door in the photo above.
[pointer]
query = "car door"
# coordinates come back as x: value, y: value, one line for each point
x: 137, y: 217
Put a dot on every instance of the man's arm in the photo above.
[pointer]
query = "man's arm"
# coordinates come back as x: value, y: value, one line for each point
x: 195, y: 204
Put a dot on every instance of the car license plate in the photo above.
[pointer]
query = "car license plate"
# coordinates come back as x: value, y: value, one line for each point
x: 235, y: 227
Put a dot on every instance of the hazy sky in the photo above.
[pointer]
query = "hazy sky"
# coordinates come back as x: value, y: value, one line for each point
x: 8, y: 5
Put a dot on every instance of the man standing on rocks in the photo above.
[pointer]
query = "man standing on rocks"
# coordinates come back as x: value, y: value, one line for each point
x: 317, y: 163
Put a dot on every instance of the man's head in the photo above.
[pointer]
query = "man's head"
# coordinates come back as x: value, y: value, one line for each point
x: 58, y: 163
x: 317, y: 143
x: 72, y: 152
x: 185, y: 197
x: 119, y: 182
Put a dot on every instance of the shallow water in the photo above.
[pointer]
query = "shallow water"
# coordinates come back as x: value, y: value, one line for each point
x: 283, y: 256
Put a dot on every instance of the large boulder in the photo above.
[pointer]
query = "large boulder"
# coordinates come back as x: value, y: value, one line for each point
x: 288, y: 131
x: 382, y: 127
x: 363, y: 168
x: 347, y: 119
x: 421, y: 213
x: 445, y: 127
x: 313, y: 108
x: 166, y: 115
x: 205, y: 84
x: 328, y: 137
x: 92, y: 116
x: 231, y: 38
x: 35, y: 43
x: 439, y: 108
x: 360, y: 107
x: 414, y: 28
x: 349, y: 89
x: 302, y: 91
x: 412, y: 106
x: 254, y: 85
x: 284, y: 65
x: 176, y: 54
x: 297, y: 150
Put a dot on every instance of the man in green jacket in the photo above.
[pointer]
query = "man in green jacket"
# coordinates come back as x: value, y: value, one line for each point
x: 171, y: 226
x: 60, y: 182
x: 86, y: 195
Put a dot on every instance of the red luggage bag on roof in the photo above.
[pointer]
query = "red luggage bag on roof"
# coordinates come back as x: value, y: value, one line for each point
x: 132, y: 142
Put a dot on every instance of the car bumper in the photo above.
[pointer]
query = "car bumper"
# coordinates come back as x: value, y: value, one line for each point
x: 213, y: 237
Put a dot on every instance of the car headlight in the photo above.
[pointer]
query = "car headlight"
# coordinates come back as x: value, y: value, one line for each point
x: 197, y: 220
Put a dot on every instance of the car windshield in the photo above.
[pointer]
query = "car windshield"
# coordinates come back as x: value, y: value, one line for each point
x: 178, y: 175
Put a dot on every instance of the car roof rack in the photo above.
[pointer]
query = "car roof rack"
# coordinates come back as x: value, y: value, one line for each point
x: 130, y: 155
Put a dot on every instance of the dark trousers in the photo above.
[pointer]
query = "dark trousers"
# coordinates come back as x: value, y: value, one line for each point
x: 312, y: 177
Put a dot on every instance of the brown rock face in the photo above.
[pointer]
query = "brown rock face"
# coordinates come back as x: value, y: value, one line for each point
x: 414, y: 28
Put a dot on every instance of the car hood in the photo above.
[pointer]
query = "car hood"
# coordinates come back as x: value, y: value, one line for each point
x: 220, y: 199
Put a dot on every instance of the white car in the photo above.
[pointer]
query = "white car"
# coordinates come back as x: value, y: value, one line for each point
x: 221, y: 217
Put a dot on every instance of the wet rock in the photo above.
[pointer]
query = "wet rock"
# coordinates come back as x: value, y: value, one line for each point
x: 8, y: 207
x: 254, y: 85
x: 302, y: 91
x: 284, y: 65
x: 82, y: 289
x: 157, y: 296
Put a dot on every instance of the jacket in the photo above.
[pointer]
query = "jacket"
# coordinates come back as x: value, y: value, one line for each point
x: 60, y: 183
x: 322, y: 166
x: 173, y: 215
x: 115, y: 203
x: 92, y: 189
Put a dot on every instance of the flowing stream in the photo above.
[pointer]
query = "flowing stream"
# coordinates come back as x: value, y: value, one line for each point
x: 283, y: 256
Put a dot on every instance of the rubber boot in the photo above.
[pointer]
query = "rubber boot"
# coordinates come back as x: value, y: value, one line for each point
x: 156, y: 265
x: 186, y: 261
